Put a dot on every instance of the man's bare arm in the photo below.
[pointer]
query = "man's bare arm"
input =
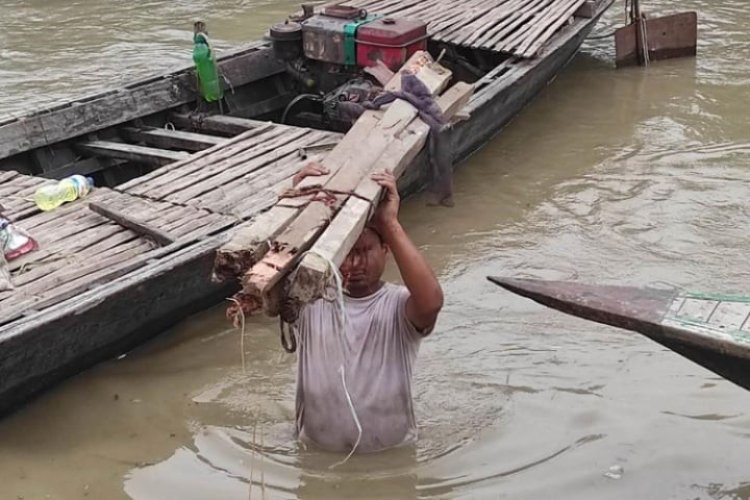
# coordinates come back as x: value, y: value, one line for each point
x: 426, y: 295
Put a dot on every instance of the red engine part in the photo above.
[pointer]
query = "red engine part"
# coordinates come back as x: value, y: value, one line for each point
x: 390, y: 40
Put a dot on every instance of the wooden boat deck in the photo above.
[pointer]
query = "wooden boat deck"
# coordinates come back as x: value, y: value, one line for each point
x: 240, y: 177
x: 189, y: 200
x: 514, y: 27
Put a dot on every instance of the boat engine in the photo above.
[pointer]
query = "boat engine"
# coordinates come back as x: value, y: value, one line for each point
x: 326, y: 55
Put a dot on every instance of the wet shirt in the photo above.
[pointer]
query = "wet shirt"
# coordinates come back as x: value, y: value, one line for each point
x: 377, y: 348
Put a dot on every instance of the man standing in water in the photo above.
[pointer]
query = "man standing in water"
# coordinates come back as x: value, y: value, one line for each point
x: 354, y: 380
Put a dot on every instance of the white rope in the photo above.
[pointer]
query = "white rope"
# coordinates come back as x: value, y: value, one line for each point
x: 242, y: 331
x: 354, y: 416
x: 339, y: 300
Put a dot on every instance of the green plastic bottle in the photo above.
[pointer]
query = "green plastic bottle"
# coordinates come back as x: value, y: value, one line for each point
x: 205, y: 67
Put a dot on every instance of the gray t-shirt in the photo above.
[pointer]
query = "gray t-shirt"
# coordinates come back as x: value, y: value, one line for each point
x: 380, y: 348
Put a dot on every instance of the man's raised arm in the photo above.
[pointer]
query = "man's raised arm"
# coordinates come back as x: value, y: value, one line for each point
x: 426, y: 295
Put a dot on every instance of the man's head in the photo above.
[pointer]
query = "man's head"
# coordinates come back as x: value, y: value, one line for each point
x: 364, y: 266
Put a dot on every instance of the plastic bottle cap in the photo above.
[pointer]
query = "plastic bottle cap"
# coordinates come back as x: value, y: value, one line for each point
x: 91, y: 181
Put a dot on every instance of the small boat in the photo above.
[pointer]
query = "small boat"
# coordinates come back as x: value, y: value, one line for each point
x: 711, y: 330
x: 95, y: 290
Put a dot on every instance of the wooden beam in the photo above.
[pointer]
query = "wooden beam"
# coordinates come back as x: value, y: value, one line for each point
x: 332, y: 247
x: 142, y: 98
x: 141, y: 154
x: 83, y: 167
x: 251, y: 240
x: 353, y: 158
x: 171, y: 139
x: 453, y: 101
x: 222, y: 124
x: 161, y: 237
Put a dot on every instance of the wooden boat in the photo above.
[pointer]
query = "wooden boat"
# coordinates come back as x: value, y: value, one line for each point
x: 135, y: 139
x: 711, y: 330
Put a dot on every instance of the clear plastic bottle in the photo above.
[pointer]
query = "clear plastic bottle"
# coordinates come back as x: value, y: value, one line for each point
x: 69, y: 189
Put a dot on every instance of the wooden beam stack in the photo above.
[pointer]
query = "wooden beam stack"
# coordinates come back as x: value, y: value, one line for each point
x: 328, y: 213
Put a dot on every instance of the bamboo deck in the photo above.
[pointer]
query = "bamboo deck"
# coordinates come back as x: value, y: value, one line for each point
x: 207, y: 193
x: 515, y: 27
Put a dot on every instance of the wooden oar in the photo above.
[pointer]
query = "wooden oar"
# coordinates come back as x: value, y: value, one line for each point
x: 711, y: 330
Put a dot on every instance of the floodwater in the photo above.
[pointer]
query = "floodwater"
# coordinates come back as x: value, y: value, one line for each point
x: 636, y: 177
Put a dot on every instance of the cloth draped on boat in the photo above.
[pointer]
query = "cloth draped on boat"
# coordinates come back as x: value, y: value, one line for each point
x: 416, y: 93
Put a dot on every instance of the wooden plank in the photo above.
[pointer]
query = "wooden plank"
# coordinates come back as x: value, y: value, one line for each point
x: 130, y: 152
x: 226, y: 149
x: 260, y: 281
x: 50, y: 284
x: 171, y: 139
x: 257, y: 236
x: 249, y: 242
x: 491, y: 19
x: 233, y: 195
x: 510, y: 31
x: 513, y: 16
x: 535, y: 42
x: 223, y: 124
x: 285, y: 148
x: 152, y: 184
x: 77, y: 250
x: 83, y: 167
x: 62, y: 271
x: 475, y: 18
x: 254, y: 238
x: 312, y: 274
x: 189, y: 185
x: 159, y: 236
x: 115, y: 107
x: 67, y: 283
x: 497, y: 25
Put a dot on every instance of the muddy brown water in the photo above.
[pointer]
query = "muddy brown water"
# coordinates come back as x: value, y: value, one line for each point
x: 635, y: 177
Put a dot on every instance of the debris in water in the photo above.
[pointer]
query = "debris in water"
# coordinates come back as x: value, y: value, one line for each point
x: 615, y: 472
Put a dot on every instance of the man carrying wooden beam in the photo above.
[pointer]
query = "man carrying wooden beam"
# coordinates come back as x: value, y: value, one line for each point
x: 357, y: 353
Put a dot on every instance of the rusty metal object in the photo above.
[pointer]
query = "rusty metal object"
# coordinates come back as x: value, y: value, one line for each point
x: 652, y: 39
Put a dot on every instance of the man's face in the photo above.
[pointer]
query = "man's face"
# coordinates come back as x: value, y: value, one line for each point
x: 364, y: 266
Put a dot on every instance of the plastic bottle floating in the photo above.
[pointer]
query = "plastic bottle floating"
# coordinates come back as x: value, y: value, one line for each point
x: 69, y: 189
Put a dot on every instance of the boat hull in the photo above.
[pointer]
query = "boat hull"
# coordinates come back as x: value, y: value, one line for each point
x: 710, y: 330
